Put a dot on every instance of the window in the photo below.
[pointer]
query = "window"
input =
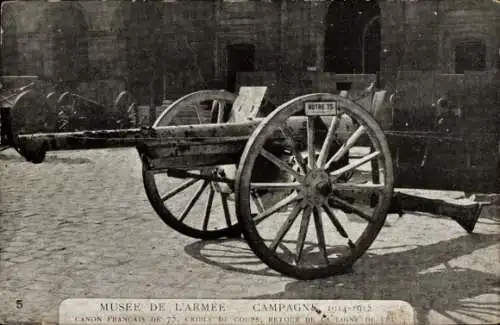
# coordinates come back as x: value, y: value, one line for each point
x: 470, y: 55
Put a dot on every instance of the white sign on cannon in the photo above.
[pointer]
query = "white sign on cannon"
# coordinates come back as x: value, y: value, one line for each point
x: 321, y: 108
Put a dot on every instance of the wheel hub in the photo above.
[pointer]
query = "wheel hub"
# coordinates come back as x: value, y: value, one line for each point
x: 220, y: 187
x: 317, y: 187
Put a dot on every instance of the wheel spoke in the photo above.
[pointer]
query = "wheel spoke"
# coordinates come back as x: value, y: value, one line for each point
x: 178, y: 189
x: 276, y: 186
x: 193, y: 200
x: 281, y: 164
x: 375, y: 169
x: 220, y: 111
x: 225, y: 207
x: 294, y: 148
x: 285, y: 227
x: 208, y: 208
x: 327, y: 144
x: 310, y: 141
x: 281, y: 204
x: 355, y: 164
x: 304, y: 224
x: 320, y: 234
x: 349, y: 207
x: 257, y: 201
x: 197, y: 111
x: 346, y: 146
x: 335, y: 221
x: 132, y: 114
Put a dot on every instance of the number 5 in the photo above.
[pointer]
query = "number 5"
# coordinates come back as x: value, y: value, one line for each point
x: 19, y: 303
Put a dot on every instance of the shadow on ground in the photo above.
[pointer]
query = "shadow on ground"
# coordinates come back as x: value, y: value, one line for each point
x: 492, y: 215
x: 48, y: 159
x: 229, y: 254
x: 392, y: 276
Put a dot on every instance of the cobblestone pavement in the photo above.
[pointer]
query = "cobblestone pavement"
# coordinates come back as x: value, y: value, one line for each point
x: 80, y: 225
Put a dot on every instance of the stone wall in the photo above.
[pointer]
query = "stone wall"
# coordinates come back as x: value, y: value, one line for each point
x: 186, y: 48
x: 421, y: 35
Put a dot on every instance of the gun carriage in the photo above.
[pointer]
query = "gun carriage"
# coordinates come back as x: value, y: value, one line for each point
x: 49, y: 106
x: 309, y: 183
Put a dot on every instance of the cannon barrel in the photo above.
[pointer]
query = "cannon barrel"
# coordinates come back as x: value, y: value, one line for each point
x: 100, y: 139
x: 164, y: 146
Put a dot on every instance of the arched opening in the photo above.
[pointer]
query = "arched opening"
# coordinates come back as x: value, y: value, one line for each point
x: 352, y: 39
x: 67, y: 32
x: 470, y: 55
x: 240, y: 58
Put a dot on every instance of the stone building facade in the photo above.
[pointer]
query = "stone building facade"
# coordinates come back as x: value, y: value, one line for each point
x: 163, y: 49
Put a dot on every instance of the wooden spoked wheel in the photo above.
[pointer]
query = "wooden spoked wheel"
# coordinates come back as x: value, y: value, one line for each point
x: 127, y: 109
x: 323, y: 221
x: 30, y: 113
x: 52, y: 99
x: 196, y: 207
x: 66, y: 111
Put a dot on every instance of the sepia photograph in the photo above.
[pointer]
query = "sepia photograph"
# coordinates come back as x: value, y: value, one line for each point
x: 250, y: 162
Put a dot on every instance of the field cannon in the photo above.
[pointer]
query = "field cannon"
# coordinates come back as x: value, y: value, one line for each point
x: 46, y: 106
x: 309, y: 185
x: 76, y: 112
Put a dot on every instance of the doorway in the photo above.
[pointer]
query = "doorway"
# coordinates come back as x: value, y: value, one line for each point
x: 352, y: 40
x: 240, y: 58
